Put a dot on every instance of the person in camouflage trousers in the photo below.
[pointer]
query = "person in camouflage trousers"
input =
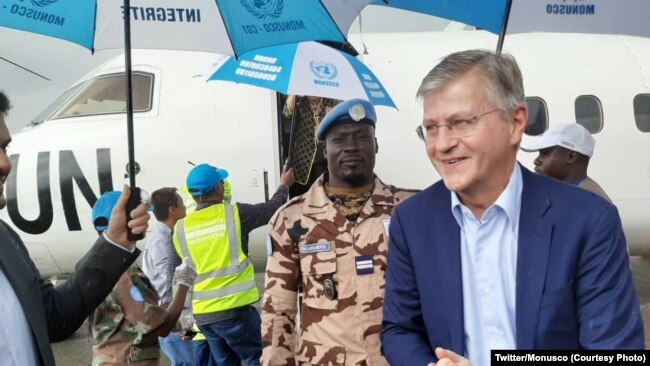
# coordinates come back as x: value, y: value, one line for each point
x: 127, y: 324
x: 332, y: 241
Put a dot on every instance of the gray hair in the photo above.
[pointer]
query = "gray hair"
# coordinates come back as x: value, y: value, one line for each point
x: 504, y: 84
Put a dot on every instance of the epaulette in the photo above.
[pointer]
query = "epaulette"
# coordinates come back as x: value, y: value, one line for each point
x: 411, y: 190
x: 397, y: 190
x: 403, y: 194
x: 291, y: 202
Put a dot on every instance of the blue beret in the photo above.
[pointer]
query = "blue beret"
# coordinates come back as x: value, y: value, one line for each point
x: 203, y: 177
x: 349, y: 111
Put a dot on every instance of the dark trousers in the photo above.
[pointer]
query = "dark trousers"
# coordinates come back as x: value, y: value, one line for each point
x: 235, y: 339
x: 202, y: 353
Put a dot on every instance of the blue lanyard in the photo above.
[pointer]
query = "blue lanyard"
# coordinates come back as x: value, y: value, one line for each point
x: 580, y: 181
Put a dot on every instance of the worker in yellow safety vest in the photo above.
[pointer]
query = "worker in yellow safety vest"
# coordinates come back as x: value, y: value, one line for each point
x: 215, y: 239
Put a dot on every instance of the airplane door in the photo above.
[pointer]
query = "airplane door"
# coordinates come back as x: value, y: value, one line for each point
x: 298, y: 119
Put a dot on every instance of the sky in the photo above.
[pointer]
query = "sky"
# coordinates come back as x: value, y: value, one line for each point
x: 65, y: 63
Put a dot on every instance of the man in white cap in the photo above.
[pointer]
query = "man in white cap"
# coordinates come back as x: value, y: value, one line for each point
x: 564, y: 153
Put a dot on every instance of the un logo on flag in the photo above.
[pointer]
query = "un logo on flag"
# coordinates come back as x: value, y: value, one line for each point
x: 323, y: 70
x: 259, y: 8
x: 42, y: 3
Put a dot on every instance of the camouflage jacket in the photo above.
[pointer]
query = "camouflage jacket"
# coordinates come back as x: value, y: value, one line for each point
x: 121, y: 323
x: 313, y: 243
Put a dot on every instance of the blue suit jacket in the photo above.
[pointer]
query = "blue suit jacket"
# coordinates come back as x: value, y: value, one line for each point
x: 574, y: 285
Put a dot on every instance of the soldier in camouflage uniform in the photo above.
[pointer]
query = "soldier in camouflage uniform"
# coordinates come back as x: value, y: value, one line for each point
x: 332, y: 240
x: 121, y: 325
x: 127, y: 324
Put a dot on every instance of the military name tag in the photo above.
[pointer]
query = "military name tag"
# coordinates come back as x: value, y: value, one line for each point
x: 314, y: 248
x: 364, y: 264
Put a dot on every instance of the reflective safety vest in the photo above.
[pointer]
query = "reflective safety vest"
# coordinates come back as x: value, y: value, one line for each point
x: 211, y: 239
x: 199, y: 336
x: 188, y: 200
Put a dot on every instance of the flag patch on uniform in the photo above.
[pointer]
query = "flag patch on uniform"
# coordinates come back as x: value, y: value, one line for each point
x: 364, y: 264
x: 314, y: 248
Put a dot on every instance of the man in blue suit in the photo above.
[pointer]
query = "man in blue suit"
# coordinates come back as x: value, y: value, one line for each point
x: 494, y: 256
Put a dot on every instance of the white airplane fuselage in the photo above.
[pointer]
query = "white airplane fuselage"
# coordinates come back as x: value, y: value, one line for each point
x: 63, y: 164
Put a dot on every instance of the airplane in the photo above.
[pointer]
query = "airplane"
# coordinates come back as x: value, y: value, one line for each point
x: 76, y: 148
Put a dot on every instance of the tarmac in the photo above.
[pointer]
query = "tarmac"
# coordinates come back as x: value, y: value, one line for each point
x: 76, y: 350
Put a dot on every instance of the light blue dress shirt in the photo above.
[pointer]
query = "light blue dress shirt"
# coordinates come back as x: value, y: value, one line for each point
x: 160, y: 260
x: 17, y: 345
x: 489, y: 270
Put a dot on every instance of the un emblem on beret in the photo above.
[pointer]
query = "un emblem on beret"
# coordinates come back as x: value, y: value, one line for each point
x: 357, y: 112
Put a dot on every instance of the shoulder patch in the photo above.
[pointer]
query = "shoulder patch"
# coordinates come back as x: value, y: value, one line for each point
x: 136, y: 295
x: 269, y: 245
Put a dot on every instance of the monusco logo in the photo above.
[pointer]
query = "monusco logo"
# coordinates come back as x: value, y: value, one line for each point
x: 571, y: 9
x: 269, y: 10
x: 325, y: 72
x: 263, y: 9
x: 42, y: 3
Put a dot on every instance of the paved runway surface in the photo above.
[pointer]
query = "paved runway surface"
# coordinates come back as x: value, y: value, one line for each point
x: 76, y: 350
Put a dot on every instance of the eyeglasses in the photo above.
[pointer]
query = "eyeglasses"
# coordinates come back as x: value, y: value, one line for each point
x: 455, y: 127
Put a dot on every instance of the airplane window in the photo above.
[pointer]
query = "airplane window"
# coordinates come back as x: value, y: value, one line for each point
x: 642, y: 112
x: 589, y: 113
x: 45, y: 114
x: 106, y: 95
x: 537, y: 116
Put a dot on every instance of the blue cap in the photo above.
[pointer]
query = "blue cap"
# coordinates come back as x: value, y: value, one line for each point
x: 349, y: 111
x: 202, y: 179
x: 103, y: 208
